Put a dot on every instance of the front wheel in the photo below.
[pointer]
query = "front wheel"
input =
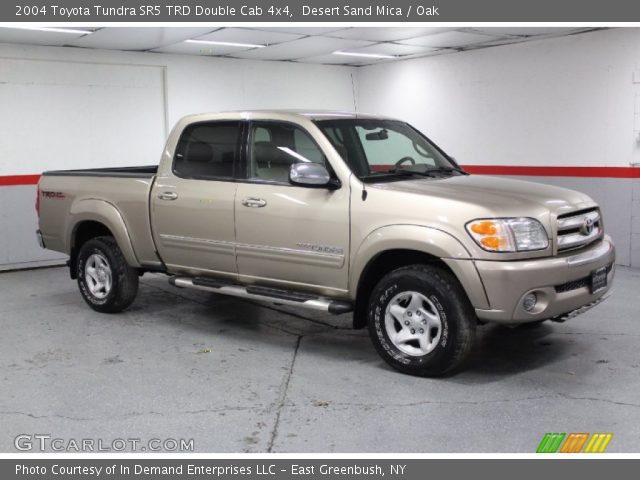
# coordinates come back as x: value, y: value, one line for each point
x: 421, y: 321
x: 107, y: 283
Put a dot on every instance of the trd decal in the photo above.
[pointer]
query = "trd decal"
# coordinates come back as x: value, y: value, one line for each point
x: 58, y: 195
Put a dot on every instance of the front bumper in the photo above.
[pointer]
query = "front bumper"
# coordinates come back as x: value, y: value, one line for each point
x: 561, y: 284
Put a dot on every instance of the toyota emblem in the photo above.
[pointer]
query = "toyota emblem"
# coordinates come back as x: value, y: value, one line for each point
x: 587, y: 226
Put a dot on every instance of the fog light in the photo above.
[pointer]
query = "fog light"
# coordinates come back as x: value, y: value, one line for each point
x: 529, y: 301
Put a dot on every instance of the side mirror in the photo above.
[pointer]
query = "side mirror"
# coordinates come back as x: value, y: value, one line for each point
x: 311, y: 175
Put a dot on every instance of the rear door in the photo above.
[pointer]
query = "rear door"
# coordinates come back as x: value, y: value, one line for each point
x: 192, y: 206
x: 289, y: 236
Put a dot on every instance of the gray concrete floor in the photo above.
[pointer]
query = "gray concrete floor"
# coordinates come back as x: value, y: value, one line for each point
x: 239, y: 377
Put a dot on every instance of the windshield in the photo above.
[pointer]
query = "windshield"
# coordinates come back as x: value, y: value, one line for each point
x: 377, y: 149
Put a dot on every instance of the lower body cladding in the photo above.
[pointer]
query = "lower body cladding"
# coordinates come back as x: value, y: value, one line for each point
x: 555, y: 288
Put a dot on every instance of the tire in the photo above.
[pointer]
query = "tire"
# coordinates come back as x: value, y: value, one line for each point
x: 107, y: 283
x: 441, y: 321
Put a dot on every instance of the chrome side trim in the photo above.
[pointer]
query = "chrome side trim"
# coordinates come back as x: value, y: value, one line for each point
x: 217, y: 246
x: 291, y: 255
x: 263, y: 252
x: 590, y: 256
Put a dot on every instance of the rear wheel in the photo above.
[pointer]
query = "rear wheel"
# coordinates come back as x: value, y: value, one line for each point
x: 107, y: 283
x: 421, y: 321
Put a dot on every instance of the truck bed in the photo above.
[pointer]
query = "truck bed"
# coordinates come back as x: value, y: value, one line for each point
x: 116, y: 197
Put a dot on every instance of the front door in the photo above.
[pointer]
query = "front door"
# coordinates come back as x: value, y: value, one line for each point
x: 289, y: 236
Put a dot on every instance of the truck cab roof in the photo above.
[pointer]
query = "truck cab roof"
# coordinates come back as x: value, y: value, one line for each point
x: 294, y: 115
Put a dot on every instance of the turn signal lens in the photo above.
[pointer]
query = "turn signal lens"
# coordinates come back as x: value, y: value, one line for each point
x: 509, y: 234
x: 491, y: 235
x: 493, y: 243
x: 484, y: 228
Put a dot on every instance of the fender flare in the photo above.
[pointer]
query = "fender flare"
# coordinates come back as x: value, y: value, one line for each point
x: 103, y: 212
x: 429, y: 240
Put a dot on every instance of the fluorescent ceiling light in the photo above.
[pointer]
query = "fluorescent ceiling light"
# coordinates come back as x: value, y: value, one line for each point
x: 365, y: 55
x: 54, y: 30
x: 228, y: 44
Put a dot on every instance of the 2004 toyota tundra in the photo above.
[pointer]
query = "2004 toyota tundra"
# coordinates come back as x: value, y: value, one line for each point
x: 334, y: 212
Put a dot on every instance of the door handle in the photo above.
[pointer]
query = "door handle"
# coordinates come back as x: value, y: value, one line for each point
x: 168, y: 196
x: 254, y: 202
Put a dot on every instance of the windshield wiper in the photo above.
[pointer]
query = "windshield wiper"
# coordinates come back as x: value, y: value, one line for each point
x: 402, y: 172
x: 408, y: 173
x: 447, y: 169
x: 425, y: 173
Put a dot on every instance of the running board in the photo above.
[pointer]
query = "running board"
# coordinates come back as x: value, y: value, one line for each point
x: 265, y: 294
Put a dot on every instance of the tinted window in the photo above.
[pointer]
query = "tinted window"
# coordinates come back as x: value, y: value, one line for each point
x: 384, y: 145
x: 275, y: 146
x: 374, y: 148
x: 207, y: 150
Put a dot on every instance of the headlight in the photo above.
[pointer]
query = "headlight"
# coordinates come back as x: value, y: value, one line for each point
x: 508, y: 234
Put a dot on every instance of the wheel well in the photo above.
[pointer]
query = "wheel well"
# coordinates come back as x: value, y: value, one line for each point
x: 378, y: 267
x: 84, y: 232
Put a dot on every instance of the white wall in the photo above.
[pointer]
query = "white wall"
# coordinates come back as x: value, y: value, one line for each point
x: 107, y: 88
x: 562, y: 101
x: 71, y: 108
x: 568, y: 101
x: 57, y: 114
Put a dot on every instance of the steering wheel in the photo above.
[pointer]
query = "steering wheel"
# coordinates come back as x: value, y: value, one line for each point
x: 405, y: 159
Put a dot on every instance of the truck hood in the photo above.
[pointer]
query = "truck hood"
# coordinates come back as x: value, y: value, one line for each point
x: 503, y: 196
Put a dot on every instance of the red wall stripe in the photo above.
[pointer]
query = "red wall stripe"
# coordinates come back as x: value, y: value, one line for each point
x: 12, y: 180
x: 529, y: 171
x: 525, y: 171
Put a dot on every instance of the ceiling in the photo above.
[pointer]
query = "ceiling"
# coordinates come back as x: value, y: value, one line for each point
x: 356, y: 46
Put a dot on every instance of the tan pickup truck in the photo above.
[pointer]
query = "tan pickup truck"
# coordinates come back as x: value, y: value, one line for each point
x: 335, y: 212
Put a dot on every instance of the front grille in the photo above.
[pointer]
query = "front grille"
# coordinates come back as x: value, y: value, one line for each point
x: 576, y: 284
x: 579, y: 229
